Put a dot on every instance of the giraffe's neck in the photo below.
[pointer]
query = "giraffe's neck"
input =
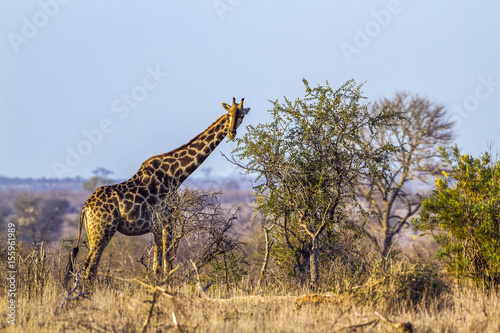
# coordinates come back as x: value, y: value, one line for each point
x: 174, y: 167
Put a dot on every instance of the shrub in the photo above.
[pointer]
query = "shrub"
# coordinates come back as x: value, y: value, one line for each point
x: 400, y: 283
x: 463, y: 215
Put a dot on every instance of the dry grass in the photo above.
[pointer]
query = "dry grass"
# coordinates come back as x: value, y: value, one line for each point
x: 118, y: 305
x: 125, y: 309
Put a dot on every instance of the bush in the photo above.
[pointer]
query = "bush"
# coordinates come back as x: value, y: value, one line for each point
x: 463, y: 215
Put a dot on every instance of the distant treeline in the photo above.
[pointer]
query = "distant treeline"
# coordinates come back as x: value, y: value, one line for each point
x: 75, y: 184
x: 41, y: 184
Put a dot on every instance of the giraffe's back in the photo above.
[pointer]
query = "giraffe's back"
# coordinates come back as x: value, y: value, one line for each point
x: 118, y: 207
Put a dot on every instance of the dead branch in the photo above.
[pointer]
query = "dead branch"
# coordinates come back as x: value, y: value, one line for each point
x: 406, y: 327
x: 155, y: 296
x: 151, y: 287
x: 352, y: 327
x: 194, y: 216
x: 202, y: 290
x: 83, y: 294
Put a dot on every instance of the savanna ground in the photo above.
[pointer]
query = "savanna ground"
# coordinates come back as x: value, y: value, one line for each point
x: 372, y: 296
x: 384, y: 298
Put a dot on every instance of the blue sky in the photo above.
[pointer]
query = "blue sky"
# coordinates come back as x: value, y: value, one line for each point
x: 109, y: 84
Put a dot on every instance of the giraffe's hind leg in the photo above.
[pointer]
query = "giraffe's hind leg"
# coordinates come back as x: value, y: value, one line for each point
x: 97, y: 244
x: 166, y: 242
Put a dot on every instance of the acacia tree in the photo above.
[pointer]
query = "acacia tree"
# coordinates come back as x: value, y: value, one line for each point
x: 307, y: 161
x: 396, y: 195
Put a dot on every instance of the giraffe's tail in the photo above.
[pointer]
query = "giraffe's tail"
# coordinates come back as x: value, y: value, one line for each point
x: 70, y: 267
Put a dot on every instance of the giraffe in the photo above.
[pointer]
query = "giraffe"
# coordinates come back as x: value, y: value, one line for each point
x: 126, y: 207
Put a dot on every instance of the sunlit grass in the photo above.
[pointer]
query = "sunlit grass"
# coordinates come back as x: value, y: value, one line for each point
x: 386, y: 297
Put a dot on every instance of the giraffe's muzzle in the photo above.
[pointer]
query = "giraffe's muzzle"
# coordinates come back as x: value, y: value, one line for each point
x: 232, y: 134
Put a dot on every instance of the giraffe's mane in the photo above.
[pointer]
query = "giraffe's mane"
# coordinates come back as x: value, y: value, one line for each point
x: 183, y: 146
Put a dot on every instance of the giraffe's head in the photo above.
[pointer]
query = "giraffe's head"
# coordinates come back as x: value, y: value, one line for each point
x: 236, y: 113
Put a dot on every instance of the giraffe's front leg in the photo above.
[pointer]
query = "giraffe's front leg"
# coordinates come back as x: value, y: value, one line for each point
x: 167, y: 238
x: 166, y: 256
x: 158, y: 254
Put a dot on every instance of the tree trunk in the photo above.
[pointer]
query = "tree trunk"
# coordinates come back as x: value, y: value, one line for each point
x: 314, y: 259
x: 387, y: 244
x: 167, y: 250
x: 264, y: 263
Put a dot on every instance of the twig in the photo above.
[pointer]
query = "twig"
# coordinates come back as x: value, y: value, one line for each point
x: 156, y: 292
x: 167, y: 278
x: 176, y: 323
x: 183, y: 328
x: 153, y: 288
x: 202, y: 290
x: 175, y: 319
x: 207, y: 286
x: 81, y: 294
x: 368, y: 323
x: 406, y: 327
x: 141, y: 261
x: 150, y: 311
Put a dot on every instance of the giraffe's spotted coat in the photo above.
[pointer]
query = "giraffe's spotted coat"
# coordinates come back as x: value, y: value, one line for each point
x: 126, y: 207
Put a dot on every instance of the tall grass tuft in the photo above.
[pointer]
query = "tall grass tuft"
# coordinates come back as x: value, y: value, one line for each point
x: 392, y: 284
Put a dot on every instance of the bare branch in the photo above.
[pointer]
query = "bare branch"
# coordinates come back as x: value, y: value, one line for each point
x: 84, y: 294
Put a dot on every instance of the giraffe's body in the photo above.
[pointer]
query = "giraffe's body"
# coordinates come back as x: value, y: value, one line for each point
x: 126, y: 207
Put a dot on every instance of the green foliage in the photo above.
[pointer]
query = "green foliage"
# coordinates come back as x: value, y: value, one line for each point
x: 463, y: 215
x: 227, y: 268
x: 307, y: 161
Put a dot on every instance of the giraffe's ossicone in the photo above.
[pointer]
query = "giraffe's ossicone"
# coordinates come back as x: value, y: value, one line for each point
x: 126, y: 207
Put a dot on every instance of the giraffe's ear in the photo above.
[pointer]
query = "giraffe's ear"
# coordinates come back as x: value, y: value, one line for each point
x: 226, y: 106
